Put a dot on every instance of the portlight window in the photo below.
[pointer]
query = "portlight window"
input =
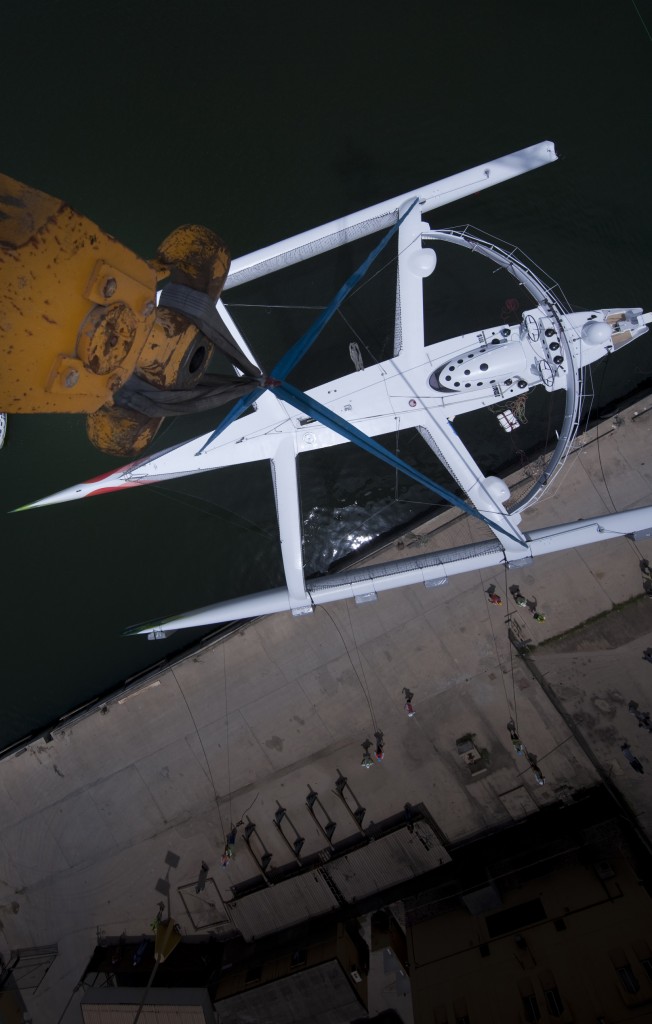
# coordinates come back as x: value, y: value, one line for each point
x: 531, y: 1008
x: 628, y: 979
x: 554, y: 1002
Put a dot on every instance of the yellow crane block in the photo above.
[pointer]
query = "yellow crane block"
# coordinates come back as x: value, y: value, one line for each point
x: 78, y: 315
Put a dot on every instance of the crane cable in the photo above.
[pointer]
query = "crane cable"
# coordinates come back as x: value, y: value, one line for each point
x: 511, y: 654
x: 513, y: 711
x: 642, y: 21
x: 364, y: 687
x: 628, y: 538
x: 228, y: 749
x: 209, y: 773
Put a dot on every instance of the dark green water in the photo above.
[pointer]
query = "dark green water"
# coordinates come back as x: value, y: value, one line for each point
x: 262, y: 120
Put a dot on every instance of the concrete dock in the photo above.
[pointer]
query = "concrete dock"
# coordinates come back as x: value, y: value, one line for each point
x: 123, y: 806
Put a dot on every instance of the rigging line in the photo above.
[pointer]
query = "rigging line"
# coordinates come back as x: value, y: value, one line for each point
x: 198, y: 505
x: 441, y: 505
x: 269, y: 305
x: 357, y: 674
x: 397, y: 454
x: 295, y: 353
x: 548, y: 423
x: 209, y: 775
x: 635, y: 546
x: 364, y: 674
x: 228, y: 751
x: 392, y: 259
x: 538, y: 759
x: 359, y: 338
x: 618, y: 533
x: 604, y: 475
x: 289, y: 360
x: 247, y: 809
x: 368, y: 280
x: 593, y: 483
x: 382, y: 510
x: 512, y: 714
x: 592, y: 395
x: 236, y: 410
x: 597, y: 436
x: 165, y: 428
x: 642, y: 22
x: 328, y: 418
x: 556, y: 747
x: 511, y: 655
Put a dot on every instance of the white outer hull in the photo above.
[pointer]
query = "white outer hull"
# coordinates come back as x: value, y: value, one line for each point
x: 431, y: 570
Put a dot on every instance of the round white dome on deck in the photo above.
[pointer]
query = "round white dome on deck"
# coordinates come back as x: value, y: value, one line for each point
x: 422, y: 262
x: 596, y: 332
x: 497, y: 488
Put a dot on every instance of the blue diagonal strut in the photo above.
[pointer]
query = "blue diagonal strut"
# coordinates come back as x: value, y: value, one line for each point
x: 304, y: 403
x: 287, y: 362
x: 316, y: 410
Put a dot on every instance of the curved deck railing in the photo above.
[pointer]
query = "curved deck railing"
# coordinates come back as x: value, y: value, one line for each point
x: 550, y: 298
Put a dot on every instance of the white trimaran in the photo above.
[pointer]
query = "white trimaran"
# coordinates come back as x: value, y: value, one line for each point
x: 422, y: 386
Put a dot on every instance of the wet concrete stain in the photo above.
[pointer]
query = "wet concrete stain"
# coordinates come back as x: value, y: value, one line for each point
x: 583, y: 719
x: 616, y: 696
x: 567, y: 692
x: 607, y: 734
x: 603, y: 706
x: 607, y: 631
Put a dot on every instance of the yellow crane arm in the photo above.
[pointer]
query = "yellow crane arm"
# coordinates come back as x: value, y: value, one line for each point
x: 78, y: 316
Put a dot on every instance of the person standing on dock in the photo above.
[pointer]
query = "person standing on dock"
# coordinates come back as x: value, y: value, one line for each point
x: 379, y: 752
x: 515, y: 738
x: 229, y: 847
x: 201, y: 881
x: 408, y: 702
x: 633, y: 760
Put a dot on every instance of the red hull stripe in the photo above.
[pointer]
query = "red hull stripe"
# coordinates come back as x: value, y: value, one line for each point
x: 117, y: 487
